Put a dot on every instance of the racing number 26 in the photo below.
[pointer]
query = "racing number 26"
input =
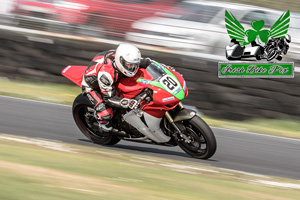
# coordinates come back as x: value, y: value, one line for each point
x: 170, y: 83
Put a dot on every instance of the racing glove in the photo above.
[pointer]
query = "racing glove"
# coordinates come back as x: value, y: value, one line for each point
x: 145, y: 62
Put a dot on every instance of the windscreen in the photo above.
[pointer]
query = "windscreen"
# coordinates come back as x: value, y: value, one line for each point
x: 155, y: 71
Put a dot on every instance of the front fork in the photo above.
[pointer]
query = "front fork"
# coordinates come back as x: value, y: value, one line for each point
x: 178, y: 133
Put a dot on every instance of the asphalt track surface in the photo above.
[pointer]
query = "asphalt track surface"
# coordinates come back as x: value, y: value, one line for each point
x: 252, y: 153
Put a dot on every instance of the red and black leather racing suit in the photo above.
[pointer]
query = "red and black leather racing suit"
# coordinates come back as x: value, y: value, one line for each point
x: 98, y: 83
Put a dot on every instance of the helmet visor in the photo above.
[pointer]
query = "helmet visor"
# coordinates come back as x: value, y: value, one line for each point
x: 131, y: 67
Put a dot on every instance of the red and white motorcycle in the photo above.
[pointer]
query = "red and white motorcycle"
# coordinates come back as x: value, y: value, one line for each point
x: 160, y: 117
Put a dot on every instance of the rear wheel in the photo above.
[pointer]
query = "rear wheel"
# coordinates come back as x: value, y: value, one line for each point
x: 202, y: 142
x: 83, y: 114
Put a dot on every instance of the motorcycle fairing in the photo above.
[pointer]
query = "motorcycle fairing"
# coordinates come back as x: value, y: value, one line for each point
x: 74, y: 73
x: 163, y: 99
x: 250, y: 51
x: 237, y: 52
x: 169, y: 82
x: 152, y: 131
x: 151, y: 77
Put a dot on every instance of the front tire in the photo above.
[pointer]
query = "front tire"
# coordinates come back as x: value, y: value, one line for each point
x: 83, y: 114
x: 203, y: 143
x: 272, y: 53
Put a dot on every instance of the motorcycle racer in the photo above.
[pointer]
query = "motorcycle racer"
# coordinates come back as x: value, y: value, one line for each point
x: 157, y: 117
x: 98, y: 83
x: 281, y: 43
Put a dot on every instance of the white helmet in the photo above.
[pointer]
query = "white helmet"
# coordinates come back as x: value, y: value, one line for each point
x: 127, y: 59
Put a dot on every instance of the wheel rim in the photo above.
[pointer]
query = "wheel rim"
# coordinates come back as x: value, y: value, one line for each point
x: 85, y: 117
x: 198, y: 143
x: 271, y: 54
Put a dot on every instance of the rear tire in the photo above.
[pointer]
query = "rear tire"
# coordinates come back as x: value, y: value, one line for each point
x: 84, y: 118
x: 203, y: 145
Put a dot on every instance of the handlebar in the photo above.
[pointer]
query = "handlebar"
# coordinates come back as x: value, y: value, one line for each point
x: 144, y: 95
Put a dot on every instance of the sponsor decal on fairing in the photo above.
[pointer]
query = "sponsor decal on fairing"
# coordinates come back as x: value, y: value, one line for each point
x: 168, y: 99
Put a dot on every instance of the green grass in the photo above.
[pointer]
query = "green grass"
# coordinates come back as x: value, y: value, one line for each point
x: 65, y: 94
x: 32, y: 172
x: 55, y: 93
x: 275, y: 127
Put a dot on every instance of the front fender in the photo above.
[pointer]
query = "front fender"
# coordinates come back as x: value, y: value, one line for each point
x: 184, y: 114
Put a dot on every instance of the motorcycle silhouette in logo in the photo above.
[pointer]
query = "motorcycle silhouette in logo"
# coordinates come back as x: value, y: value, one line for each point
x: 276, y: 39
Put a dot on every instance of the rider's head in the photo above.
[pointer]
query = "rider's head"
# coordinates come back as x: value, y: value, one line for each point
x: 127, y: 59
x: 287, y: 38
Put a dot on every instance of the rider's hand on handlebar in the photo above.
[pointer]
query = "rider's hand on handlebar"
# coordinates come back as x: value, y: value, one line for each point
x: 145, y: 62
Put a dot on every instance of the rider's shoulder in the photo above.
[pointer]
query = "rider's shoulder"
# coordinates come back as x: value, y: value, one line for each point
x: 99, y: 58
x: 107, y: 67
x: 107, y: 53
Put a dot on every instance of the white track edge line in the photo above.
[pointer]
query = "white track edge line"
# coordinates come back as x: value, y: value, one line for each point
x: 34, y: 100
x: 259, y: 134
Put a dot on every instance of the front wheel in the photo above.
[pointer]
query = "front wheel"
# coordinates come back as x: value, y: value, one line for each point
x: 202, y: 142
x: 272, y: 53
x: 83, y: 114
